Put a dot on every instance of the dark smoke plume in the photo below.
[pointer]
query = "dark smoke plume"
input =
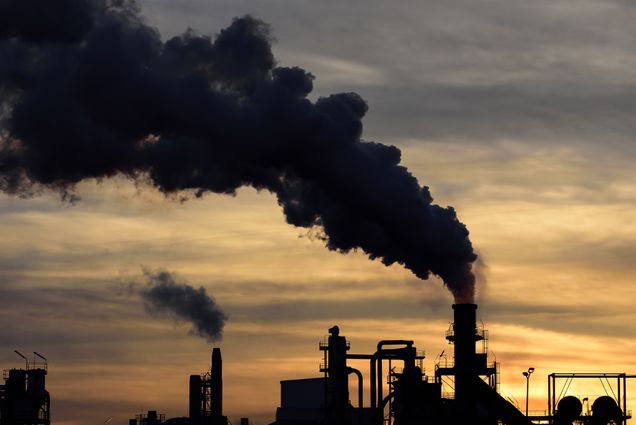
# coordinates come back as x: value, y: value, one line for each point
x: 88, y: 91
x: 164, y: 294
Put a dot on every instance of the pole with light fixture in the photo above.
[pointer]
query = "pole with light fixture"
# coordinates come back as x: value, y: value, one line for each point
x: 26, y: 361
x: 527, y: 375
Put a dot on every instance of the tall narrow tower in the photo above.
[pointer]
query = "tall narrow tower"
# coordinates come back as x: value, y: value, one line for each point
x: 216, y: 376
x: 206, y: 394
x: 465, y: 337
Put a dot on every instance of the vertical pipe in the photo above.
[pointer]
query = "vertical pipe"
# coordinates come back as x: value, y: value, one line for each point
x: 553, y: 394
x: 390, y: 387
x: 360, y: 385
x: 619, y: 401
x: 625, y: 399
x: 549, y: 398
x: 380, y: 397
x: 372, y: 380
x: 326, y: 367
x: 527, y: 391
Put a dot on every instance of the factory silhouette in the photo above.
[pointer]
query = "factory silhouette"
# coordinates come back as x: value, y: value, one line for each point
x: 459, y: 392
x: 94, y: 92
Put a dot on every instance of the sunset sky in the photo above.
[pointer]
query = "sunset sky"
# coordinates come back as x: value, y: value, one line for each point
x: 520, y: 115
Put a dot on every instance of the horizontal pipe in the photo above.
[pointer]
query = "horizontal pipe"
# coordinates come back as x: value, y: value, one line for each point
x: 360, y: 356
x: 384, y: 342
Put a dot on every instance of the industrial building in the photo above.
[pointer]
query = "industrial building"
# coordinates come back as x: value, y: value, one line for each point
x: 463, y: 391
x: 206, y: 394
x: 24, y: 399
x: 205, y: 405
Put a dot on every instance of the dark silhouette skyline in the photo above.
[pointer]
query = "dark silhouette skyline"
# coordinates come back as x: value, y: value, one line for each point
x: 519, y: 116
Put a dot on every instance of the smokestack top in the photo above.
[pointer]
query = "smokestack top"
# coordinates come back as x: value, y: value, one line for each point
x: 464, y: 306
x: 216, y: 360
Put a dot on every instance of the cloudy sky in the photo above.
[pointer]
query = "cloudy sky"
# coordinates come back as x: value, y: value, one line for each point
x: 518, y: 114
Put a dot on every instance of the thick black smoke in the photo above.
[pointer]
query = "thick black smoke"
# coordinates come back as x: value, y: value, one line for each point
x: 87, y: 90
x: 164, y: 294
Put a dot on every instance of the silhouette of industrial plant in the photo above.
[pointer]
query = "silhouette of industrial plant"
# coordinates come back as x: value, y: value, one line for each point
x: 463, y: 391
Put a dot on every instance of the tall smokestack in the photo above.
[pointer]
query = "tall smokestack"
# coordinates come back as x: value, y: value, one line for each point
x: 196, y: 399
x: 464, y: 337
x: 216, y: 374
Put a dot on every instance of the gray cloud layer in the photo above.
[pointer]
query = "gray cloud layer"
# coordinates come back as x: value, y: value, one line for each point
x: 548, y: 71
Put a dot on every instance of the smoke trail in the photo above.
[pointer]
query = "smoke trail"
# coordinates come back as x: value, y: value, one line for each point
x: 102, y: 95
x: 164, y: 294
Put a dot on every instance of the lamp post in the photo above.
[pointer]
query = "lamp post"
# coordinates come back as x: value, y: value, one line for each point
x: 527, y: 375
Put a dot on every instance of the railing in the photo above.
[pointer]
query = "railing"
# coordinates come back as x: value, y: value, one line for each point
x: 38, y: 365
x: 323, y: 344
x: 445, y: 364
x: 449, y: 363
x: 479, y: 331
x: 450, y: 331
x: 429, y: 379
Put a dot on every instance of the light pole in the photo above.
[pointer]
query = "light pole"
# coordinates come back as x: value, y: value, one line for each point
x: 527, y: 375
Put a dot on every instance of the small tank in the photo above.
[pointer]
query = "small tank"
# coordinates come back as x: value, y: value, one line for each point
x: 568, y: 409
x: 604, y: 410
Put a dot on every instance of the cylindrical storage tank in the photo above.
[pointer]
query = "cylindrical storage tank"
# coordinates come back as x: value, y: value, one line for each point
x: 605, y: 409
x: 569, y: 408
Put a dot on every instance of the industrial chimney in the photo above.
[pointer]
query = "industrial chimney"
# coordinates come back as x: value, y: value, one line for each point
x: 464, y: 336
x: 216, y: 376
x: 206, y: 394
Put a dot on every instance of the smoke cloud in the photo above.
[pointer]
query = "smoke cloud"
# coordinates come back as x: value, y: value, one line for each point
x: 89, y: 91
x: 163, y: 293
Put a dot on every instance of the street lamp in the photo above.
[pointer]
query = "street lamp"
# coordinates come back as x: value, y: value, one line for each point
x: 527, y: 375
x: 26, y: 361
